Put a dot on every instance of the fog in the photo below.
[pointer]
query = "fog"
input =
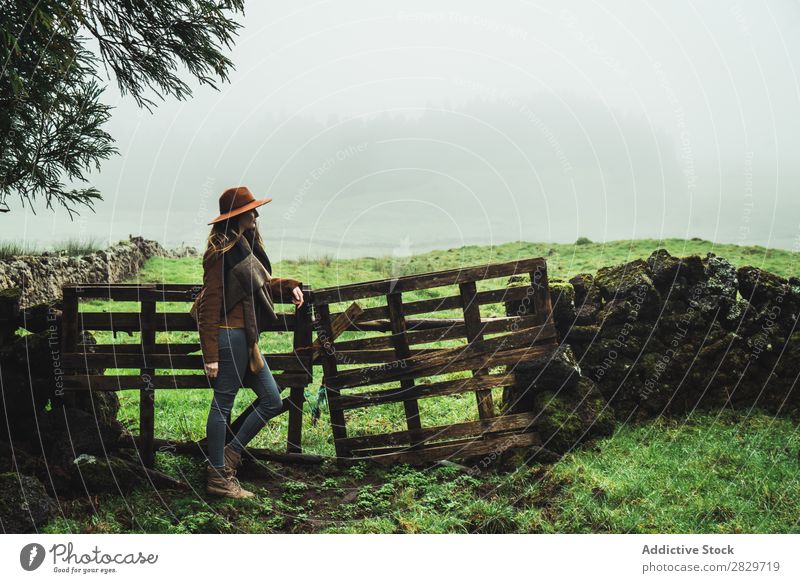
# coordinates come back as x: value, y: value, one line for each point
x: 384, y: 126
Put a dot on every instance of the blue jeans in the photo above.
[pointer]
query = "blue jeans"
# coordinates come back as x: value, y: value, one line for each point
x: 232, y: 374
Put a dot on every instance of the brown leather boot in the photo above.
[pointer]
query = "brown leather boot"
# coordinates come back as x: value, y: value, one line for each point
x: 233, y: 458
x: 222, y: 482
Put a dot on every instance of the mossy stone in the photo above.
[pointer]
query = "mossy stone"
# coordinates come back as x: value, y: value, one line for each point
x: 567, y: 418
x: 24, y: 504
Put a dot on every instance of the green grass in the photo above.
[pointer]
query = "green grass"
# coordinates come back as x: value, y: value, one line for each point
x: 721, y: 472
x: 69, y: 247
x: 564, y: 260
x: 708, y: 475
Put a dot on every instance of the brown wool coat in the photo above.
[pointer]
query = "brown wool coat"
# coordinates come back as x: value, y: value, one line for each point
x: 211, y: 312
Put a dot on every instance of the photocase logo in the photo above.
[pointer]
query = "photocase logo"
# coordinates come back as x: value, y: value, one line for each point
x: 31, y: 556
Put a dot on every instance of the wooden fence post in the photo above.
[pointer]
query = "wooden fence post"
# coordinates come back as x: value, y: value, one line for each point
x: 402, y: 350
x: 147, y: 393
x: 302, y: 346
x: 329, y: 369
x: 69, y: 341
x: 474, y: 329
x: 542, y: 303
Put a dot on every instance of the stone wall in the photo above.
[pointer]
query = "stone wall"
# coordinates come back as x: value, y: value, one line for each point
x: 40, y: 277
x: 661, y: 336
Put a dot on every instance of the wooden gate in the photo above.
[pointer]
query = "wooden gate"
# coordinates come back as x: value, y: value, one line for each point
x: 500, y: 341
x: 84, y: 363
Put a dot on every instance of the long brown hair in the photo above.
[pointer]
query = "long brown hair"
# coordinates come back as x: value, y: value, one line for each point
x: 224, y: 235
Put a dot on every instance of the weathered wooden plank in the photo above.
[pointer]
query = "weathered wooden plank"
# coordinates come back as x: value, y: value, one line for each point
x: 516, y: 422
x: 448, y: 332
x: 385, y: 325
x: 164, y: 321
x: 424, y: 280
x: 482, y: 446
x: 373, y: 356
x: 421, y: 391
x: 173, y: 348
x: 478, y: 354
x: 474, y: 328
x: 90, y: 285
x: 136, y: 292
x: 166, y: 382
x: 385, y: 341
x: 69, y: 341
x: 132, y: 293
x: 147, y: 414
x: 543, y: 307
x: 338, y: 325
x: 126, y: 359
x: 396, y: 371
x: 494, y: 296
x: 117, y: 292
x: 294, y: 438
x: 329, y: 369
x: 148, y: 293
x: 461, y: 441
x: 431, y: 445
x: 415, y: 324
x: 394, y: 302
x: 444, y: 303
x: 303, y: 338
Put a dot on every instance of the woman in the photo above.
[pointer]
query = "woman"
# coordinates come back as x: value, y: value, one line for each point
x: 235, y: 304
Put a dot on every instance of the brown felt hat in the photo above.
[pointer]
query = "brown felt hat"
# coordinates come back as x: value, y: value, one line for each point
x: 236, y: 201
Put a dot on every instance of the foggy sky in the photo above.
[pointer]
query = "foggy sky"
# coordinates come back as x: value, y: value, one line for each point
x: 379, y: 127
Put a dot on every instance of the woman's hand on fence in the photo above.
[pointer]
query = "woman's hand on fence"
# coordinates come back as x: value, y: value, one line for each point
x: 212, y: 368
x: 297, y: 300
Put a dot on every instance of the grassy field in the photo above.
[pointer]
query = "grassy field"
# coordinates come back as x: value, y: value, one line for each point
x: 69, y: 247
x: 709, y: 473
